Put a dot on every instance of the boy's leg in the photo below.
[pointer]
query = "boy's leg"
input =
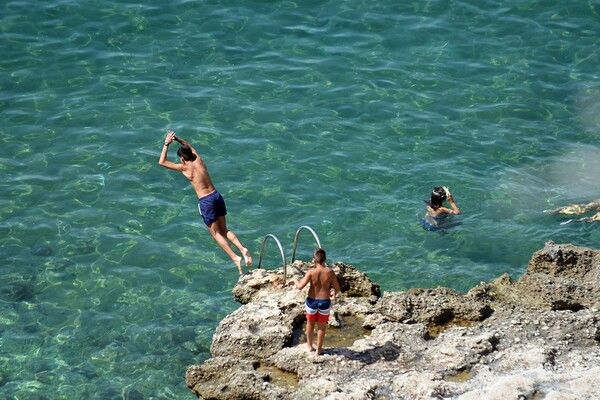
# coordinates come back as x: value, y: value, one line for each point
x: 322, y: 326
x: 232, y: 237
x: 310, y: 329
x: 221, y: 239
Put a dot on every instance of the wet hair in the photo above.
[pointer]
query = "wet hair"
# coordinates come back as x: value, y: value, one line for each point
x: 185, y: 151
x: 320, y: 256
x: 438, y: 196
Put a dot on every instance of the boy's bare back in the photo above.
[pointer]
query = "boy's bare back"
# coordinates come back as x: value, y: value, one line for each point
x: 321, y: 282
x: 197, y: 173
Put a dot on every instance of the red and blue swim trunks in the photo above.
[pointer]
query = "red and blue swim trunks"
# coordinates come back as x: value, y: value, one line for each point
x: 317, y: 309
x: 211, y: 207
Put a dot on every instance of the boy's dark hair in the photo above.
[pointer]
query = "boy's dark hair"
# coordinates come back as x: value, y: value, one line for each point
x: 186, y: 152
x: 320, y: 256
x: 438, y: 196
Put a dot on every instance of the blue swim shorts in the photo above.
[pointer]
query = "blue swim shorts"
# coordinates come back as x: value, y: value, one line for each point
x: 317, y: 310
x: 211, y: 207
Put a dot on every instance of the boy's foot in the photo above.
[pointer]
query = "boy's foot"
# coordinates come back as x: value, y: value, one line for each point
x: 309, y: 347
x: 238, y: 264
x: 247, y: 257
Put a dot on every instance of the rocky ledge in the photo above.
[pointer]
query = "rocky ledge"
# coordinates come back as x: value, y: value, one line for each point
x: 534, y: 338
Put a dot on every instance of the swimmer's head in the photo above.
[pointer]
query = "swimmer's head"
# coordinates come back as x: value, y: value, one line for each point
x: 186, y: 153
x: 438, y: 196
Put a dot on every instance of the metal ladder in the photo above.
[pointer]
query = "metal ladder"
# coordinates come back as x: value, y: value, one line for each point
x: 281, y: 248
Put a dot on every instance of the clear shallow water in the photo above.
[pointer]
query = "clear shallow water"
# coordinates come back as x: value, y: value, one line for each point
x: 338, y: 115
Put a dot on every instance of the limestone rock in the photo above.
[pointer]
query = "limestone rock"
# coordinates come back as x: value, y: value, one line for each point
x: 558, y: 277
x: 256, y: 330
x: 536, y: 337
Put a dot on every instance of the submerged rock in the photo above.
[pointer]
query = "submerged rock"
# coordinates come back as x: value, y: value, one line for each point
x: 42, y: 250
x: 537, y: 337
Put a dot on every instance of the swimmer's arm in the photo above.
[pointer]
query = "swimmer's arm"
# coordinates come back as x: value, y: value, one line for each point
x: 162, y: 160
x: 455, y: 210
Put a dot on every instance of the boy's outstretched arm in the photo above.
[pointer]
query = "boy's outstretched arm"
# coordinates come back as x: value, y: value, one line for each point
x: 162, y: 160
x: 300, y: 284
x: 180, y: 140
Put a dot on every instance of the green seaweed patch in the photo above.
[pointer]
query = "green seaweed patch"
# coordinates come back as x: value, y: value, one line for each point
x: 459, y: 376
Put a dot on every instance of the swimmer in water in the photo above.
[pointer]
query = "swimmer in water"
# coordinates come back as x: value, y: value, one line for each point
x: 578, y: 209
x: 436, y: 212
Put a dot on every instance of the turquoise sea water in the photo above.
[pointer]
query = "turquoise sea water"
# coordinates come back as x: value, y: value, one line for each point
x: 340, y: 115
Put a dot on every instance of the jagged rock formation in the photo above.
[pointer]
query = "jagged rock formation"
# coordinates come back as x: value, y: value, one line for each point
x: 534, y: 338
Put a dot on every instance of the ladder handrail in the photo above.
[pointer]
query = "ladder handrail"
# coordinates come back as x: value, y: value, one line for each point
x: 262, y: 249
x: 280, y: 250
x: 296, y: 238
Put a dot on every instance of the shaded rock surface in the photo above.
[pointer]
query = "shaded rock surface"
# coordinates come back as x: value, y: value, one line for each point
x: 534, y: 338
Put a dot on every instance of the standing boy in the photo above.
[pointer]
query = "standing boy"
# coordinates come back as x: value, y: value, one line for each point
x: 210, y: 202
x: 318, y: 301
